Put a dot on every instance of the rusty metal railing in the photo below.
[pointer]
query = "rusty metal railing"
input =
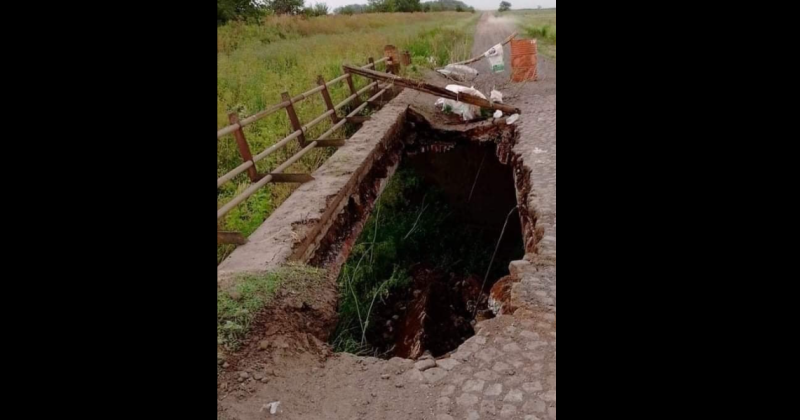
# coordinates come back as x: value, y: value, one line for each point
x: 299, y: 132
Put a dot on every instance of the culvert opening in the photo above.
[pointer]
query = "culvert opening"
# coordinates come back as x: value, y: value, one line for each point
x: 416, y: 278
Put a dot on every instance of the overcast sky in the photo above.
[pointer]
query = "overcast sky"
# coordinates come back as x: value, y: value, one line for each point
x: 478, y: 4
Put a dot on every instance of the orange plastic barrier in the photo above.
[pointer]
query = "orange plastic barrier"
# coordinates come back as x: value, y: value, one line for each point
x: 523, y: 59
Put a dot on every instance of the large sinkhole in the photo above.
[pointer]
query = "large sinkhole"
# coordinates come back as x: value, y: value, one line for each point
x: 416, y: 278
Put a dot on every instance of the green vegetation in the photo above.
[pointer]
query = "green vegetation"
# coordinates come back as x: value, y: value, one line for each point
x: 256, y: 62
x: 236, y: 309
x: 411, y: 223
x: 319, y: 9
x: 444, y: 5
x: 253, y: 11
x: 539, y: 24
x: 439, y: 46
x: 388, y: 6
x: 504, y: 6
x: 285, y: 7
x: 351, y: 9
x: 239, y: 10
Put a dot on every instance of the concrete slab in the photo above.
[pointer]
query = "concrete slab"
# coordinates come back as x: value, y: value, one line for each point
x: 293, y: 231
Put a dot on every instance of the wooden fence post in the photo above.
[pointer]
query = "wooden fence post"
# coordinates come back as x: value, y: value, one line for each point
x: 244, y: 149
x: 353, y: 91
x: 375, y: 89
x: 406, y: 58
x: 326, y: 96
x: 293, y: 118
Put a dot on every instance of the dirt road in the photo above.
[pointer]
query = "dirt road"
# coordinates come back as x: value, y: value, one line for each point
x: 506, y: 371
x: 492, y: 30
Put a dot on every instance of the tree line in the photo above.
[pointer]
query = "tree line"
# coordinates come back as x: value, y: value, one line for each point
x: 253, y: 10
x: 389, y: 6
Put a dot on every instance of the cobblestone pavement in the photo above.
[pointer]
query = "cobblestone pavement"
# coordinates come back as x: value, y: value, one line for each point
x: 507, y: 370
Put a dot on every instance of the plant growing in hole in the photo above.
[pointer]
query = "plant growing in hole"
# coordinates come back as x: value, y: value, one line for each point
x: 412, y: 223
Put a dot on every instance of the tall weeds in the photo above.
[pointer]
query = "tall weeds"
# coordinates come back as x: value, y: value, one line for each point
x: 539, y: 24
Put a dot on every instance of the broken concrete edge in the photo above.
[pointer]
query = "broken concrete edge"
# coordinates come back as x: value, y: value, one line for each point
x: 293, y: 231
x: 538, y: 254
x: 330, y: 242
x: 481, y: 131
x: 334, y: 244
x: 537, y: 268
x: 505, y: 295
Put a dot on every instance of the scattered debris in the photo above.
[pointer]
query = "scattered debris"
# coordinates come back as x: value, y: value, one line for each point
x: 537, y: 150
x: 468, y: 112
x: 479, y: 57
x: 273, y: 407
x: 496, y: 96
x: 438, y: 91
x: 512, y: 119
x: 495, y: 56
x: 498, y: 114
x: 500, y: 296
x: 459, y: 72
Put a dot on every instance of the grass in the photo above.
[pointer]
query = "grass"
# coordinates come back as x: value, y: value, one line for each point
x: 539, y: 24
x: 237, y: 308
x: 255, y: 63
x: 411, y: 223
